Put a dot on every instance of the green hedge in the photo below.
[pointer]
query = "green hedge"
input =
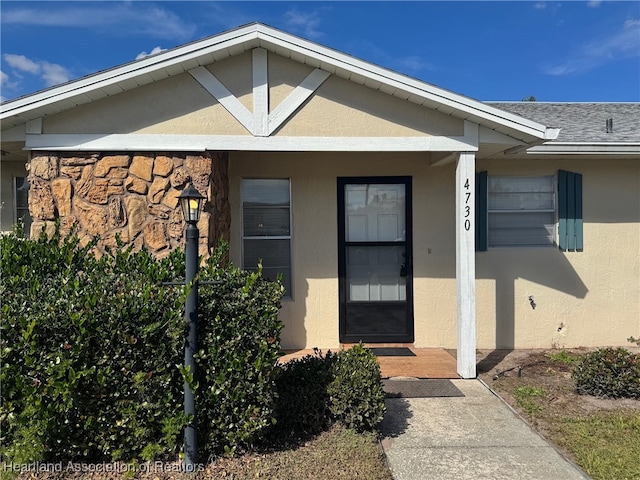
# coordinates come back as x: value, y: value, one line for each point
x: 318, y: 390
x: 239, y: 350
x: 91, y: 349
x: 608, y: 372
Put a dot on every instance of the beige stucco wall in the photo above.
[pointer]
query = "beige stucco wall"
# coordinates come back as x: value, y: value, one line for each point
x: 180, y: 105
x: 582, y: 299
x: 588, y: 298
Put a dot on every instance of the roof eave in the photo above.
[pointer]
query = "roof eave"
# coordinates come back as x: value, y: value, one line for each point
x: 243, y: 38
x: 578, y: 148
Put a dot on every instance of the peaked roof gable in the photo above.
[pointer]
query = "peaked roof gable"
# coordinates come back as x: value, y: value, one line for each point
x: 188, y: 57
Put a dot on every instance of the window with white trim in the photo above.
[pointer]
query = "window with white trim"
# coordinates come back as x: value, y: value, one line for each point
x: 21, y: 203
x: 266, y: 227
x: 521, y: 211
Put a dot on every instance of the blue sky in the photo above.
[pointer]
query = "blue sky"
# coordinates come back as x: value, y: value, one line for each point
x: 556, y: 51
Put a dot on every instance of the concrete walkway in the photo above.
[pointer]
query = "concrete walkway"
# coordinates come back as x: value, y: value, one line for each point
x: 472, y: 437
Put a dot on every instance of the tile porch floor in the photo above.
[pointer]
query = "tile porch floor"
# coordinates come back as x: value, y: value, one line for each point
x: 427, y: 363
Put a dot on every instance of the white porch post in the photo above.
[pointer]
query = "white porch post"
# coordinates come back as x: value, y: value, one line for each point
x: 466, y: 263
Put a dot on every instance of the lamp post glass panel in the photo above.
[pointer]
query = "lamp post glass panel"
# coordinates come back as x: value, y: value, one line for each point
x: 190, y: 201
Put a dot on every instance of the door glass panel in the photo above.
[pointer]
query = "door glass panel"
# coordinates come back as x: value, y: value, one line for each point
x: 375, y: 212
x: 376, y: 273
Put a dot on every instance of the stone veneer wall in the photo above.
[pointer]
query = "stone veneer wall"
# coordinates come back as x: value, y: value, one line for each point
x: 133, y: 195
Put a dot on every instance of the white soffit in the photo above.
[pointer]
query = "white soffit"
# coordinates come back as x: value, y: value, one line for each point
x: 233, y: 42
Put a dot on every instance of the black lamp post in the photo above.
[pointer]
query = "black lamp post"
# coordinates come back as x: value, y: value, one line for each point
x: 191, y: 202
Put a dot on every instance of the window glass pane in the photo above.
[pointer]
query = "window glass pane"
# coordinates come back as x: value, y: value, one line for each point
x: 274, y: 253
x: 375, y: 212
x: 376, y: 274
x: 265, y: 192
x: 21, y: 211
x: 520, y: 184
x: 22, y: 192
x: 266, y: 213
x: 259, y: 222
x: 275, y: 256
x: 521, y: 201
x: 515, y: 216
x: 273, y: 273
x: 525, y: 228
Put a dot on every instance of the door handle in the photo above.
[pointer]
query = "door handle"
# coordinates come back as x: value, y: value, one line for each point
x: 403, y: 270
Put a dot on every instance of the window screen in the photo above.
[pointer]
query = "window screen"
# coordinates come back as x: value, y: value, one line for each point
x: 521, y: 211
x: 266, y: 227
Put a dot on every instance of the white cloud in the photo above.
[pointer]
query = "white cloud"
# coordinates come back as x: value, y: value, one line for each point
x: 22, y: 63
x: 152, y: 52
x: 6, y: 84
x: 632, y: 22
x: 623, y: 44
x: 50, y: 73
x: 54, y: 74
x: 307, y: 22
x: 125, y: 18
x: 594, y: 3
x: 552, y: 7
x: 414, y: 63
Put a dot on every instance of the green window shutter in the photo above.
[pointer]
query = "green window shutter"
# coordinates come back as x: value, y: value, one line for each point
x: 578, y: 214
x: 562, y: 210
x: 570, y: 236
x: 571, y: 212
x: 481, y: 211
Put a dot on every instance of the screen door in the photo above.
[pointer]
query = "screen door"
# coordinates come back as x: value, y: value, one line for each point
x: 375, y: 270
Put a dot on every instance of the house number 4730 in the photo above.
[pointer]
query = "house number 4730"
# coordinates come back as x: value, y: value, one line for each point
x: 467, y: 207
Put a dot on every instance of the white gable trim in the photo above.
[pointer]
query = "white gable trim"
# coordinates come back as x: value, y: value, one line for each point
x: 199, y: 143
x: 260, y: 92
x: 230, y: 43
x: 259, y: 122
x: 218, y: 91
x: 296, y: 98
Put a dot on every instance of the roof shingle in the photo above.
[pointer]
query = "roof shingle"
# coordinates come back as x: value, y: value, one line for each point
x: 582, y: 122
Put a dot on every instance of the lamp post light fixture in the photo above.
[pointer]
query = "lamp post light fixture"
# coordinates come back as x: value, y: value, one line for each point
x: 191, y: 202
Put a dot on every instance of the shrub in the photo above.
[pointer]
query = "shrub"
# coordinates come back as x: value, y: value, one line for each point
x: 356, y: 393
x: 302, y: 407
x: 91, y: 349
x: 316, y: 391
x: 608, y: 372
x: 238, y: 354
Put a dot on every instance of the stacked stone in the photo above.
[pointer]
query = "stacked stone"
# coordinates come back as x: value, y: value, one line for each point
x: 130, y: 196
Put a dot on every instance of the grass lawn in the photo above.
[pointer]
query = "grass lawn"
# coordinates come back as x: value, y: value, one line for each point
x: 606, y: 445
x: 335, y: 454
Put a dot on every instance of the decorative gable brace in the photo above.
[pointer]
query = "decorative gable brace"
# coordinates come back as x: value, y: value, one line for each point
x: 260, y: 123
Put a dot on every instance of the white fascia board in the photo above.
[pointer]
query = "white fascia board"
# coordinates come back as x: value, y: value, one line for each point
x: 586, y: 149
x: 328, y: 59
x: 198, y: 143
x: 458, y: 102
x: 131, y: 70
